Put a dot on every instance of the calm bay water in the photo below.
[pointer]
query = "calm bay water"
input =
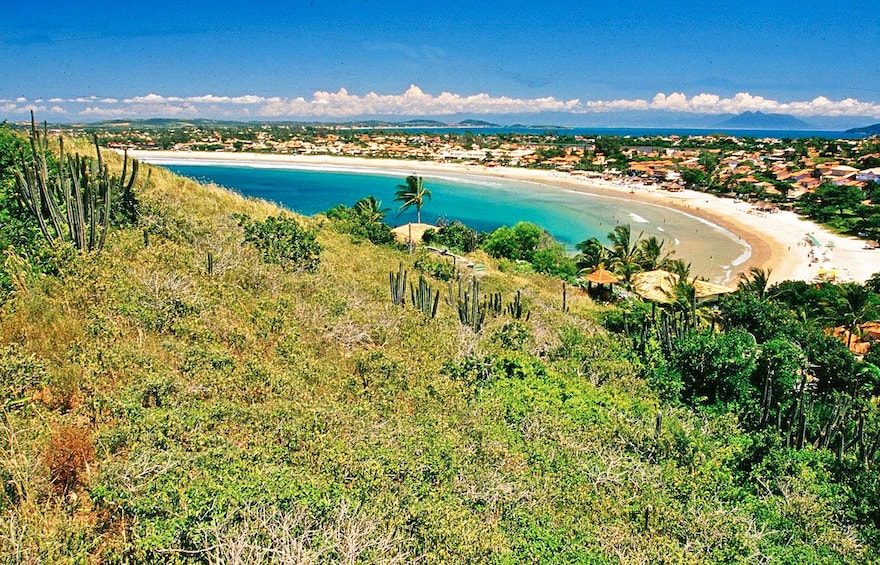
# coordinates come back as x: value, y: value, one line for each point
x: 482, y: 203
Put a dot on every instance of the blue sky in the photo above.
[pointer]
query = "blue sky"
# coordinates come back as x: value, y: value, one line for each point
x: 329, y: 60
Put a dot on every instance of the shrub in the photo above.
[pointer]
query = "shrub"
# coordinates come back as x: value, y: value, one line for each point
x: 20, y: 375
x: 435, y: 267
x: 68, y: 456
x: 282, y: 241
x: 455, y: 236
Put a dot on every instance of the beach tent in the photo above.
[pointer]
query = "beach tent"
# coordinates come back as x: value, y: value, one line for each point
x: 766, y: 206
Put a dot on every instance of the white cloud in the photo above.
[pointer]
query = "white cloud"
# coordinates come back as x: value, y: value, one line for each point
x: 600, y: 106
x: 14, y: 108
x: 414, y: 101
x: 141, y: 111
x: 343, y: 104
x: 148, y: 99
x: 705, y: 103
x: 98, y: 112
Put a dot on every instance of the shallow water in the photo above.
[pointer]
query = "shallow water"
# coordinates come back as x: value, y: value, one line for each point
x: 483, y: 203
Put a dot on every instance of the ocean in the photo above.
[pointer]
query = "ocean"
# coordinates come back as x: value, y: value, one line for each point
x: 484, y: 204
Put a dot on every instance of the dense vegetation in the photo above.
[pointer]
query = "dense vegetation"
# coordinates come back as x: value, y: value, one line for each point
x: 225, y: 382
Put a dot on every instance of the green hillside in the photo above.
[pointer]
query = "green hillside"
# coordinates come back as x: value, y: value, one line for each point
x: 161, y: 406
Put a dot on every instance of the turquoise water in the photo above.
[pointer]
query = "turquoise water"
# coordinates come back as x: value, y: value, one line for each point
x: 483, y: 203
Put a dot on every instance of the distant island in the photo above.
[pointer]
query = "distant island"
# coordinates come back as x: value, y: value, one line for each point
x: 477, y: 124
x: 760, y: 120
x: 867, y: 130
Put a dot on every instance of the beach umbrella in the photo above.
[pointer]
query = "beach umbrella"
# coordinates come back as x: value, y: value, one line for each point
x: 602, y: 276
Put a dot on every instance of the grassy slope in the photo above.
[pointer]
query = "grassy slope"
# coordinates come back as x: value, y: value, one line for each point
x: 306, y: 413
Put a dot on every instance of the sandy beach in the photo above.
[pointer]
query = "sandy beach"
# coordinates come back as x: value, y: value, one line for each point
x: 779, y: 240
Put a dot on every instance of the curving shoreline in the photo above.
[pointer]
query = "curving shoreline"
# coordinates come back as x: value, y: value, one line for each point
x: 777, y: 240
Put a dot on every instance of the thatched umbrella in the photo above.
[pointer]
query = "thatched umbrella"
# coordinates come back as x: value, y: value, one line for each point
x: 602, y: 277
x: 659, y: 285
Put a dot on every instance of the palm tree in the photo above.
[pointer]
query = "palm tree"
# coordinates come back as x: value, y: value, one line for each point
x: 679, y: 267
x: 593, y: 253
x: 625, y: 256
x: 756, y: 281
x: 413, y: 193
x: 853, y: 306
x: 370, y: 209
x: 651, y: 252
x: 684, y: 299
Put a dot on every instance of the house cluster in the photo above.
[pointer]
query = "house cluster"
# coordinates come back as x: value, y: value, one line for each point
x: 764, y: 167
x: 760, y: 171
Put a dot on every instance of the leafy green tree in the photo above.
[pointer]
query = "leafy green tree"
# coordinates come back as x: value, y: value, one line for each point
x: 715, y: 369
x: 831, y: 364
x: 764, y: 319
x: 782, y: 361
x: 874, y: 283
x: 553, y: 260
x: 412, y: 194
x: 830, y: 200
x: 872, y: 190
x: 693, y: 178
x: 709, y: 160
x: 802, y: 298
x: 517, y: 243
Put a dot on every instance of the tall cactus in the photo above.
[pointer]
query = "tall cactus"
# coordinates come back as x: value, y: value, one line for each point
x: 494, y: 304
x: 425, y: 298
x: 515, y: 308
x: 73, y: 202
x: 470, y: 312
x: 397, y: 284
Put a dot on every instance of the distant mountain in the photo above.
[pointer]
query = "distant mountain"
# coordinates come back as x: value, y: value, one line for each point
x: 760, y: 120
x: 867, y: 130
x: 477, y: 124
